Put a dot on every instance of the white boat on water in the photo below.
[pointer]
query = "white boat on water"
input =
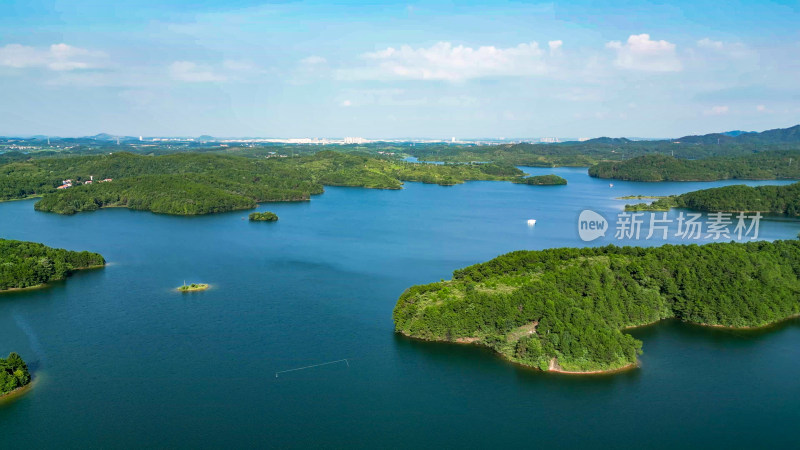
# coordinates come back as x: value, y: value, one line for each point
x: 531, y: 222
x: 610, y: 184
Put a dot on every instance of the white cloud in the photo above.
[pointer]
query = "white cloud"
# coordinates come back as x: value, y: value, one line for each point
x: 555, y: 46
x: 193, y: 73
x: 139, y: 98
x: 382, y: 97
x: 313, y: 60
x: 734, y: 50
x: 443, y: 61
x: 347, y: 103
x: 642, y: 53
x: 708, y: 43
x: 577, y: 94
x: 57, y: 57
x: 763, y: 109
x: 717, y: 111
x: 459, y: 101
x: 239, y: 65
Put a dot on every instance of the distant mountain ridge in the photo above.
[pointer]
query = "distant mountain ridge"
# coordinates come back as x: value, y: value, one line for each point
x: 777, y: 135
x: 774, y: 136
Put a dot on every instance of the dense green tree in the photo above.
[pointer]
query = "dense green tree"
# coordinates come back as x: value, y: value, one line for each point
x: 770, y: 199
x: 568, y: 306
x: 13, y: 373
x: 263, y: 216
x: 542, y: 180
x: 26, y: 264
x: 760, y: 166
x: 200, y: 183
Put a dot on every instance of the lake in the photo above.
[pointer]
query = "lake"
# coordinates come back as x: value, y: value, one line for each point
x: 122, y: 360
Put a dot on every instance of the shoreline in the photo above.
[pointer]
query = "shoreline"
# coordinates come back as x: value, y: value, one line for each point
x: 49, y: 283
x: 552, y: 368
x: 22, y: 198
x: 709, y: 325
x: 16, y: 393
x: 476, y: 342
x: 631, y: 366
x: 755, y: 328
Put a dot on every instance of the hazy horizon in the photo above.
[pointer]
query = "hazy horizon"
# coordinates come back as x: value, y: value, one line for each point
x: 378, y: 139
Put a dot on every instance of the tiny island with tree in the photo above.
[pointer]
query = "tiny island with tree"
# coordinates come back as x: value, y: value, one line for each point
x: 14, y: 374
x: 194, y: 287
x: 542, y: 180
x: 263, y: 217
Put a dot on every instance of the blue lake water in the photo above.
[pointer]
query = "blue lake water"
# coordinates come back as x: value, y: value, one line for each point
x: 121, y: 360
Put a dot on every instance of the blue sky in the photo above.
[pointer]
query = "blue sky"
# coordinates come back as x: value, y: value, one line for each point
x: 398, y: 69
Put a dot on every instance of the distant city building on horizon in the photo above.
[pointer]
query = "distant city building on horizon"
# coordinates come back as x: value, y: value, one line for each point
x: 355, y: 140
x: 549, y: 140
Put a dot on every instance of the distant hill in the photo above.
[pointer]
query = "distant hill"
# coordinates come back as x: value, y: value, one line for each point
x: 735, y: 133
x: 776, y: 136
x: 103, y: 137
x: 608, y: 140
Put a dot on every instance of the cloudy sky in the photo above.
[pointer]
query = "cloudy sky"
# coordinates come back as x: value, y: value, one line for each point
x: 398, y: 69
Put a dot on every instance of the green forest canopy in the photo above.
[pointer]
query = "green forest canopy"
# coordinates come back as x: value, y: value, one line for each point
x: 267, y: 216
x: 542, y: 180
x: 760, y: 166
x: 193, y: 183
x: 769, y: 199
x: 27, y: 264
x: 567, y: 307
x: 13, y: 373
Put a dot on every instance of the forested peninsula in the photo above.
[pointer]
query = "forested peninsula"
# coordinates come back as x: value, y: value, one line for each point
x: 29, y: 264
x: 200, y: 183
x: 768, y: 199
x: 14, y: 374
x: 760, y: 166
x: 566, y: 309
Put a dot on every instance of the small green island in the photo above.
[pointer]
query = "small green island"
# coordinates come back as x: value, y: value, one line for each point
x: 14, y: 374
x: 567, y: 309
x: 194, y: 287
x: 29, y: 264
x: 263, y: 217
x: 542, y: 180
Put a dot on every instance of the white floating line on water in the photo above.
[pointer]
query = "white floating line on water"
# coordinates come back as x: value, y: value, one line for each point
x: 314, y: 365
